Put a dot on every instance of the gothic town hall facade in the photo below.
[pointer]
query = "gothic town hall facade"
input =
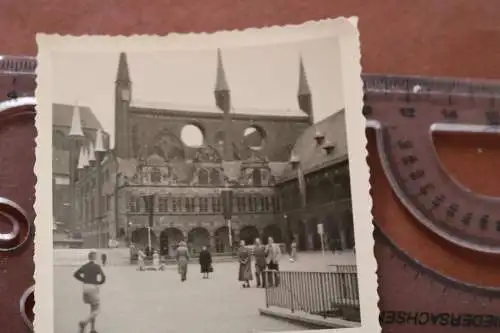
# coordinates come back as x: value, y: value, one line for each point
x: 257, y: 173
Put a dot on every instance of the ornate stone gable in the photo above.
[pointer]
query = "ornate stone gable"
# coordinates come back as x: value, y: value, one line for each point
x: 207, y: 154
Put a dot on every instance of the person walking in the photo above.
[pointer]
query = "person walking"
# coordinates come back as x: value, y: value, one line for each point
x: 273, y: 255
x: 140, y: 259
x: 245, y: 271
x: 104, y: 259
x: 182, y: 257
x: 92, y: 277
x: 293, y: 251
x: 156, y: 260
x: 259, y: 254
x: 205, y: 262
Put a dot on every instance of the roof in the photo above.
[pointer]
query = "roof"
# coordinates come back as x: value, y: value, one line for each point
x: 62, y: 115
x: 212, y: 109
x: 311, y: 155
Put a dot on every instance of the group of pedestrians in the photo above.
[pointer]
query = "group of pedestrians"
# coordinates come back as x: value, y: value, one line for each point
x: 265, y: 258
x: 266, y: 261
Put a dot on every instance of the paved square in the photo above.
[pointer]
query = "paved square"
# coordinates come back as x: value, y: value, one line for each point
x: 134, y: 301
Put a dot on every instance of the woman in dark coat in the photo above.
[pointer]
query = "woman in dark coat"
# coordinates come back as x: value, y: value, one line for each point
x: 245, y: 272
x: 205, y: 262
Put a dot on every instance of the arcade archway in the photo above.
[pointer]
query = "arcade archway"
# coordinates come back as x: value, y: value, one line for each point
x: 348, y: 225
x: 197, y: 238
x: 248, y: 234
x: 315, y: 238
x: 222, y: 239
x: 140, y: 238
x: 332, y: 231
x: 274, y: 231
x: 300, y: 235
x: 169, y: 239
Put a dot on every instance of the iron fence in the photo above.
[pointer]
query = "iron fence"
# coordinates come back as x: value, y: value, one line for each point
x: 328, y: 294
x: 344, y: 268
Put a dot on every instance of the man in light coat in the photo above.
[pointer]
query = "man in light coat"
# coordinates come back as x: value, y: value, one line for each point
x: 273, y: 255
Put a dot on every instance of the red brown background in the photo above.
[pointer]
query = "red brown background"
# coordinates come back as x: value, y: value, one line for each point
x: 424, y: 37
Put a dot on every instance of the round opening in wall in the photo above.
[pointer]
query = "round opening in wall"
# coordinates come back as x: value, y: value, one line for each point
x: 253, y: 138
x: 192, y: 136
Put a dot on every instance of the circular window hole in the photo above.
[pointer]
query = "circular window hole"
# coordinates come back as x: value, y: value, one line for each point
x: 253, y: 138
x: 192, y: 136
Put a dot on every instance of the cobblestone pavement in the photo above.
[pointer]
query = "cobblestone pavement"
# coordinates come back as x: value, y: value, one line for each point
x: 153, y: 302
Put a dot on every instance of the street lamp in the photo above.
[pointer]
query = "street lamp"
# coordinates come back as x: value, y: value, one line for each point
x: 149, y: 201
x: 227, y: 210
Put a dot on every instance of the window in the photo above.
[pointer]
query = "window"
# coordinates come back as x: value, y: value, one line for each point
x: 256, y: 177
x: 203, y: 177
x: 251, y: 203
x: 189, y: 204
x: 203, y: 205
x: 155, y: 175
x: 240, y: 203
x: 216, y: 204
x: 261, y: 204
x: 134, y: 204
x: 163, y: 205
x: 266, y: 204
x: 175, y: 204
x: 215, y: 177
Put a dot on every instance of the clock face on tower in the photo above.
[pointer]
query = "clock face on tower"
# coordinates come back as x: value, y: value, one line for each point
x: 125, y: 92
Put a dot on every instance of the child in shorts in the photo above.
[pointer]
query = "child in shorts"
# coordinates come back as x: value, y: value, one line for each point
x: 92, y: 276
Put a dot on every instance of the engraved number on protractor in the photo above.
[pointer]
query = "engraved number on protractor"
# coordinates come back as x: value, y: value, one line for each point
x: 409, y: 158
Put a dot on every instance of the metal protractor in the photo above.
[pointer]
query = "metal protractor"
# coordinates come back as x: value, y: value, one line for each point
x: 437, y: 241
x: 404, y: 129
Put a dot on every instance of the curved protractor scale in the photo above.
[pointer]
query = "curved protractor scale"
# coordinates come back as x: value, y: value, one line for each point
x: 403, y: 123
x: 421, y: 244
x: 476, y: 272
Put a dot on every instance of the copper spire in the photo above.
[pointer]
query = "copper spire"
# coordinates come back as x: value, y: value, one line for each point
x: 76, y: 123
x: 220, y: 80
x: 303, y: 83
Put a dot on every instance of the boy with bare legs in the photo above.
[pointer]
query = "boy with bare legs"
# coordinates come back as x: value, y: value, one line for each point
x: 92, y: 276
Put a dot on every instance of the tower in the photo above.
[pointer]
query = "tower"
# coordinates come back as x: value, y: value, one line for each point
x: 304, y: 92
x: 223, y: 101
x: 76, y: 137
x: 123, y: 93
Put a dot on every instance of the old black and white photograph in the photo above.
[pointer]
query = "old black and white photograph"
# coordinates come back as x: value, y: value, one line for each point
x: 219, y: 186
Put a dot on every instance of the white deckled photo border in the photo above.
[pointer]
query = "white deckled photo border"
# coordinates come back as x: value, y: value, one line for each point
x: 352, y: 86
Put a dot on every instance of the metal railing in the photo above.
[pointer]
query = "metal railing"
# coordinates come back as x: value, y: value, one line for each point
x: 327, y: 294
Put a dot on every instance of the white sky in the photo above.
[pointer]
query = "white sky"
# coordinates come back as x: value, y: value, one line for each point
x: 259, y: 77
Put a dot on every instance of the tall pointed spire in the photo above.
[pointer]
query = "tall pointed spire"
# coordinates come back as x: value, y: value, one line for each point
x: 99, y: 142
x: 76, y: 123
x: 81, y: 162
x: 303, y: 83
x: 220, y: 80
x: 123, y: 74
x: 85, y: 157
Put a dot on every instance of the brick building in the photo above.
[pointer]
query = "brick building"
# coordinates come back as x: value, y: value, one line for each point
x: 156, y: 187
x: 63, y: 144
